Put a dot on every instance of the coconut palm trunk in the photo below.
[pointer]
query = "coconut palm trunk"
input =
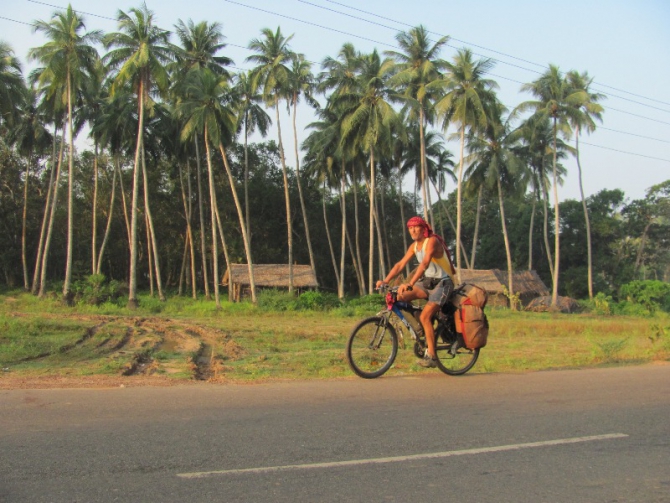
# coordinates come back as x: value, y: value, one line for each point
x: 459, y: 205
x: 510, y: 272
x: 545, y: 203
x: 109, y: 224
x: 132, y: 283
x: 343, y: 190
x: 201, y: 210
x: 24, y: 263
x: 289, y: 224
x: 67, y: 283
x: 357, y: 236
x: 213, y: 207
x: 243, y: 227
x: 94, y: 215
x: 530, y: 233
x: 302, y: 199
x: 45, y: 217
x: 424, y: 190
x: 52, y: 218
x: 587, y: 221
x: 371, y: 249
x: 150, y: 221
x: 453, y: 227
x: 402, y: 218
x: 557, y: 225
x: 330, y: 241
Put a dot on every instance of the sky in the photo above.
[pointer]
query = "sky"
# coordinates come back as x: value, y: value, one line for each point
x: 623, y: 45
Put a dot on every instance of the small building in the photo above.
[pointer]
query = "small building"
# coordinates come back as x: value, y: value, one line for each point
x: 267, y: 276
x: 527, y: 284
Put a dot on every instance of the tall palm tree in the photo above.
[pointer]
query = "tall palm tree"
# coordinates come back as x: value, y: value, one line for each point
x: 495, y: 164
x: 466, y: 92
x: 140, y: 51
x: 418, y: 66
x: 556, y: 100
x: 368, y: 122
x: 11, y: 82
x: 535, y: 135
x: 301, y: 83
x: 31, y: 139
x: 252, y: 117
x: 70, y: 57
x: 206, y: 108
x: 200, y: 47
x: 273, y: 55
x: 591, y: 111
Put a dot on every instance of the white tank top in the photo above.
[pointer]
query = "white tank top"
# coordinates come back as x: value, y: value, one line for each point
x: 438, y: 267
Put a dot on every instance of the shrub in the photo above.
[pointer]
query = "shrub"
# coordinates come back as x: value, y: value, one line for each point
x: 94, y: 290
x: 318, y: 301
x: 653, y: 295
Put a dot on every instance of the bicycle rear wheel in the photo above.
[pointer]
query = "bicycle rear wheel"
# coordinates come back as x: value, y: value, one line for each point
x: 372, y: 347
x: 458, y: 362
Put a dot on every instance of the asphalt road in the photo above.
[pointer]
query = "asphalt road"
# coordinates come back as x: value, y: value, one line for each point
x: 563, y: 436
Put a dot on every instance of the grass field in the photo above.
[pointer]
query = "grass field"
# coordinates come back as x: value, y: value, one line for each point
x: 185, y: 340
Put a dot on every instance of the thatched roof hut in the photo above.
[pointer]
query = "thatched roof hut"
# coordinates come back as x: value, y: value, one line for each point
x: 527, y: 284
x: 268, y: 276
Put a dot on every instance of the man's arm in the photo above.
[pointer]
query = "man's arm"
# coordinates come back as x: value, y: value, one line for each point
x: 395, y: 270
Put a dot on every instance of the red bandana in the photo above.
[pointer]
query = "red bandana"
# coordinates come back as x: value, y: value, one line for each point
x: 420, y: 222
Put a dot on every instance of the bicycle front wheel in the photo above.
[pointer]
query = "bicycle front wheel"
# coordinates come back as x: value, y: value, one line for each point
x: 372, y: 347
x: 458, y: 362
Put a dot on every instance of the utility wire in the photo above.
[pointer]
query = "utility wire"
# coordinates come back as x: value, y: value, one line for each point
x: 473, y: 45
x: 383, y: 43
x: 625, y: 152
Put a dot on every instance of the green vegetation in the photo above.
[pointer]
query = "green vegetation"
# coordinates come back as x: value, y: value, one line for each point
x: 183, y: 339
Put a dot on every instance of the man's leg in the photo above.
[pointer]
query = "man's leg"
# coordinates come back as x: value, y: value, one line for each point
x: 429, y: 310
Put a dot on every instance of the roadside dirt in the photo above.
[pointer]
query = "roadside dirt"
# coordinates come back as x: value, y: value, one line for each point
x: 148, y: 350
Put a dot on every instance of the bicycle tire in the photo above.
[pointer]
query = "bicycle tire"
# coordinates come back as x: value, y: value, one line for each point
x: 458, y: 363
x: 372, y: 347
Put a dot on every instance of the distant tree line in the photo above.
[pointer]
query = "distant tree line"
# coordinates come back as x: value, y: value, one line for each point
x: 173, y: 191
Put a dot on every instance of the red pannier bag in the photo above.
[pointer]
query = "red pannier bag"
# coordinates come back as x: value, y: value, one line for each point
x: 470, y: 301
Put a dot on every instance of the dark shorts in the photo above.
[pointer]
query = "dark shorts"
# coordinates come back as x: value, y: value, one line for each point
x: 438, y: 290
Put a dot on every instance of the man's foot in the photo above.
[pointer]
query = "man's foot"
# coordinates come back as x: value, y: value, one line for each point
x: 427, y: 362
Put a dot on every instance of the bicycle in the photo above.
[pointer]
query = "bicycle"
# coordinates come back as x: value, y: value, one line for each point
x: 373, y: 344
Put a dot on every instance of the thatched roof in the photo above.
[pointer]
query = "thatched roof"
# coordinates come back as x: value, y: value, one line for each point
x: 494, y: 281
x: 272, y: 275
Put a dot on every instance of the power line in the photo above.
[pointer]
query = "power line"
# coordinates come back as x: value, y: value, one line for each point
x: 633, y: 134
x: 474, y: 45
x: 625, y: 152
x: 383, y: 43
x: 81, y: 11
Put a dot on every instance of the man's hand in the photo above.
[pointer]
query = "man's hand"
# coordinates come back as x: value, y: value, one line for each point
x: 404, y: 288
x: 379, y: 284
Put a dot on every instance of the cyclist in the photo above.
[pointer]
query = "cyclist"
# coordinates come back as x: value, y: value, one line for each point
x: 433, y: 280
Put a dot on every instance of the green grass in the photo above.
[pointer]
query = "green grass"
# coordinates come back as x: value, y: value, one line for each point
x: 256, y: 343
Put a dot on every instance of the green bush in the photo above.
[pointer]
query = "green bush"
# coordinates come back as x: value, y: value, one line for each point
x: 653, y: 295
x: 95, y: 290
x: 277, y: 300
x: 318, y: 301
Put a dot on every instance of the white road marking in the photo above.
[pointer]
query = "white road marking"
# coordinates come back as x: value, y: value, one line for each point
x: 414, y: 457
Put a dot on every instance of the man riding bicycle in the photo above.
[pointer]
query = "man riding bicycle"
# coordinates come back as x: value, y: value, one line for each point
x: 433, y: 280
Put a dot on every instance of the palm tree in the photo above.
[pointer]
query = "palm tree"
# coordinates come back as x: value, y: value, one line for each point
x: 494, y: 164
x: 31, y: 138
x: 272, y: 75
x: 11, y: 82
x: 557, y: 101
x: 301, y: 83
x: 466, y: 92
x: 368, y: 122
x: 590, y: 110
x: 200, y: 44
x: 205, y: 108
x: 70, y: 59
x: 536, y: 147
x: 418, y: 66
x: 252, y: 117
x: 140, y: 51
x: 340, y: 76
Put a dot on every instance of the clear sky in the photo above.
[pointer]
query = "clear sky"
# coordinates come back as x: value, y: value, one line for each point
x: 624, y: 45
